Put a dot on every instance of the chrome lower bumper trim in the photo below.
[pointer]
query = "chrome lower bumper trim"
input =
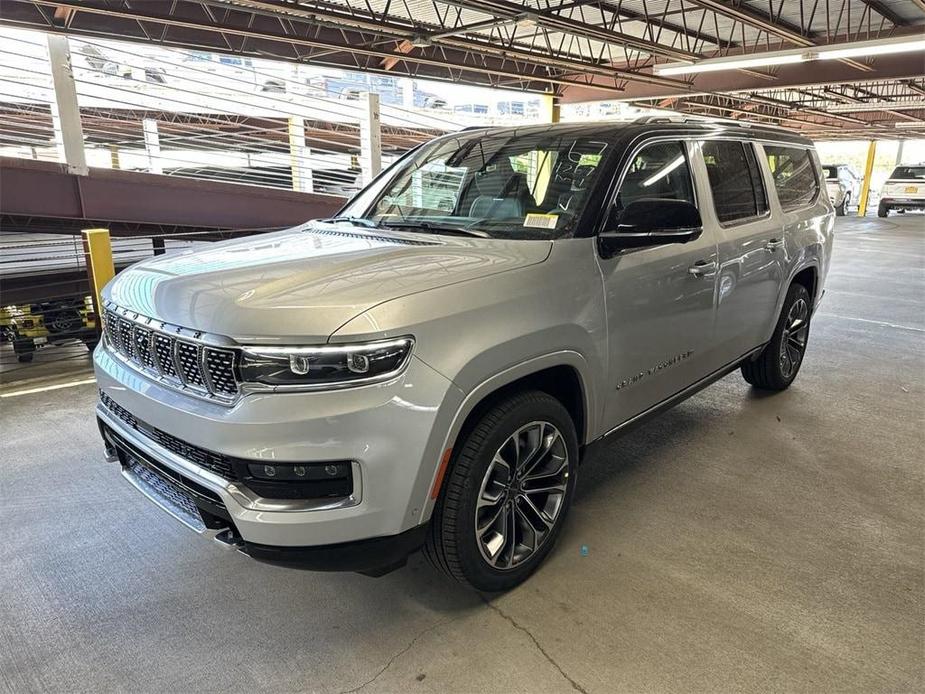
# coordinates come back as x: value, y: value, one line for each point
x: 238, y: 494
x: 173, y: 502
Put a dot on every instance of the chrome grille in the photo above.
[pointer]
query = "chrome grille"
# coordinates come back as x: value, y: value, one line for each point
x: 220, y: 366
x: 188, y: 359
x: 175, y: 357
x: 126, y: 342
x: 142, y: 339
x: 163, y: 353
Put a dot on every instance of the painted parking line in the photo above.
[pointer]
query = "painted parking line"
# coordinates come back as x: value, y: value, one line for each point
x: 42, y: 389
x: 881, y: 323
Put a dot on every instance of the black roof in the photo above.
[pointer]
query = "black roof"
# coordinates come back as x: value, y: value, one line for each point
x: 655, y: 125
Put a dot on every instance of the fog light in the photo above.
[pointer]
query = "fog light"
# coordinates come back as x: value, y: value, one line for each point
x: 299, y: 472
x: 358, y: 363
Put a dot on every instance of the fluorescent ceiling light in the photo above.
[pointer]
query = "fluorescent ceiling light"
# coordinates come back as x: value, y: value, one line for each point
x: 857, y: 49
x: 728, y: 64
x: 918, y: 104
x: 863, y: 49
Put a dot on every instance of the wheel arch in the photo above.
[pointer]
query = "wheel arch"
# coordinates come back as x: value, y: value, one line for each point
x: 563, y: 375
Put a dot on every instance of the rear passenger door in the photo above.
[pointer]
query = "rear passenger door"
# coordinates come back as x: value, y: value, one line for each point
x: 750, y: 246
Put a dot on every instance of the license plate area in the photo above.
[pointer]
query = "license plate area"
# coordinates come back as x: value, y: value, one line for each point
x: 912, y: 189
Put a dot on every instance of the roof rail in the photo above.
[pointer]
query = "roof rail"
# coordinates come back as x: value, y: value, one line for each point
x: 680, y: 118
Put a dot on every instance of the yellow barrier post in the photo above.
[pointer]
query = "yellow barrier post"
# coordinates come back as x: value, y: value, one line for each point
x: 868, y: 171
x: 100, y: 267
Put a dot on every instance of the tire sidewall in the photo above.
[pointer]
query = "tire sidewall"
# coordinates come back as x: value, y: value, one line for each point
x: 796, y: 292
x: 478, y: 572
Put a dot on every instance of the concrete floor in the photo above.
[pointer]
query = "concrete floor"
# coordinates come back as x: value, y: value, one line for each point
x: 738, y: 543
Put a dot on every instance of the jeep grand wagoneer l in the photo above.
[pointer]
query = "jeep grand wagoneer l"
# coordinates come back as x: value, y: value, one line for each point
x: 427, y: 368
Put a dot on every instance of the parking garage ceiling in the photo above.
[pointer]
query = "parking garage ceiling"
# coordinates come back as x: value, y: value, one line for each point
x: 578, y: 50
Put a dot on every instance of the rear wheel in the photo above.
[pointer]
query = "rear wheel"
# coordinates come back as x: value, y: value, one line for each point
x: 506, y: 494
x: 779, y: 362
x: 842, y: 209
x: 883, y: 211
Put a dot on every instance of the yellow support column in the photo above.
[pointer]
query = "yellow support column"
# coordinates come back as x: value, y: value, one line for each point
x: 868, y: 171
x: 100, y: 267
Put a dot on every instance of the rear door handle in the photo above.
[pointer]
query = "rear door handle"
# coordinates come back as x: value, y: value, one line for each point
x: 774, y: 244
x: 702, y: 268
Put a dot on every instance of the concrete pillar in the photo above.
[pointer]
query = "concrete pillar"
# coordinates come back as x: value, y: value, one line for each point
x: 298, y: 157
x: 370, y: 139
x: 152, y: 145
x: 549, y: 108
x: 899, y: 153
x: 66, y: 112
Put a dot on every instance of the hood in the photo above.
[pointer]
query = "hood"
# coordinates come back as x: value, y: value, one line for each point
x: 304, y: 283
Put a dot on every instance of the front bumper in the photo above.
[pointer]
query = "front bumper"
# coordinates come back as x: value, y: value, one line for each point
x: 388, y: 432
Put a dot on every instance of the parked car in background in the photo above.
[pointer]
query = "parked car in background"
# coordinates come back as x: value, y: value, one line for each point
x: 428, y: 368
x: 903, y: 190
x: 843, y: 185
x: 31, y: 326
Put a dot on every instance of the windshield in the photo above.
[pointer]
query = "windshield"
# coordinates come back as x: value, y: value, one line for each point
x: 504, y: 185
x: 831, y: 173
x: 909, y: 172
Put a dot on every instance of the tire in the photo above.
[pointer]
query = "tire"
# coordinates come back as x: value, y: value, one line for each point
x: 478, y: 472
x: 25, y: 358
x: 774, y: 368
x: 842, y: 209
x: 883, y: 211
x: 91, y: 345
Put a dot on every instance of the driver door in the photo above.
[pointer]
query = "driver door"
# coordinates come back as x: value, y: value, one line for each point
x: 660, y: 299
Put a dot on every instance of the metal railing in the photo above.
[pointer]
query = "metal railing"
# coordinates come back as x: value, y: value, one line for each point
x: 169, y: 113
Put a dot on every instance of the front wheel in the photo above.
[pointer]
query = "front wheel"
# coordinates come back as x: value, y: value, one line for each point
x: 780, y: 360
x: 506, y: 494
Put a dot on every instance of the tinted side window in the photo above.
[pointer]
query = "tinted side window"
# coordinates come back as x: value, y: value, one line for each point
x: 794, y: 175
x: 659, y: 171
x: 738, y: 191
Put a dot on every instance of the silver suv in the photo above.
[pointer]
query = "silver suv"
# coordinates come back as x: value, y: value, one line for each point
x: 428, y: 368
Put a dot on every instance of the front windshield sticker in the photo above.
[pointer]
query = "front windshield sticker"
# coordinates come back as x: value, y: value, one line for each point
x: 541, y: 221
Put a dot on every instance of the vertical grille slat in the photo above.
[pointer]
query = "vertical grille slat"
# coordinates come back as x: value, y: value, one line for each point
x: 220, y: 364
x: 126, y: 341
x: 142, y: 337
x: 163, y: 352
x: 178, y: 360
x: 188, y: 361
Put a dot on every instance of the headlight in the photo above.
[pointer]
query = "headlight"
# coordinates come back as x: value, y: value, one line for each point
x: 327, y: 366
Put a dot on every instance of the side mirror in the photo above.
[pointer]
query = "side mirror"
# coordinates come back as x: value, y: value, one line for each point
x: 652, y: 223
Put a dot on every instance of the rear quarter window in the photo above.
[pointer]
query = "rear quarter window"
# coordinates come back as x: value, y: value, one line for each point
x: 794, y: 174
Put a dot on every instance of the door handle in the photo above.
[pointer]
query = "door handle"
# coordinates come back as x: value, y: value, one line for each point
x: 773, y: 244
x: 702, y: 268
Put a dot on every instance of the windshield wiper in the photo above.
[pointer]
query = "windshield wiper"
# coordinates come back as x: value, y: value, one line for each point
x: 436, y: 228
x: 362, y: 221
